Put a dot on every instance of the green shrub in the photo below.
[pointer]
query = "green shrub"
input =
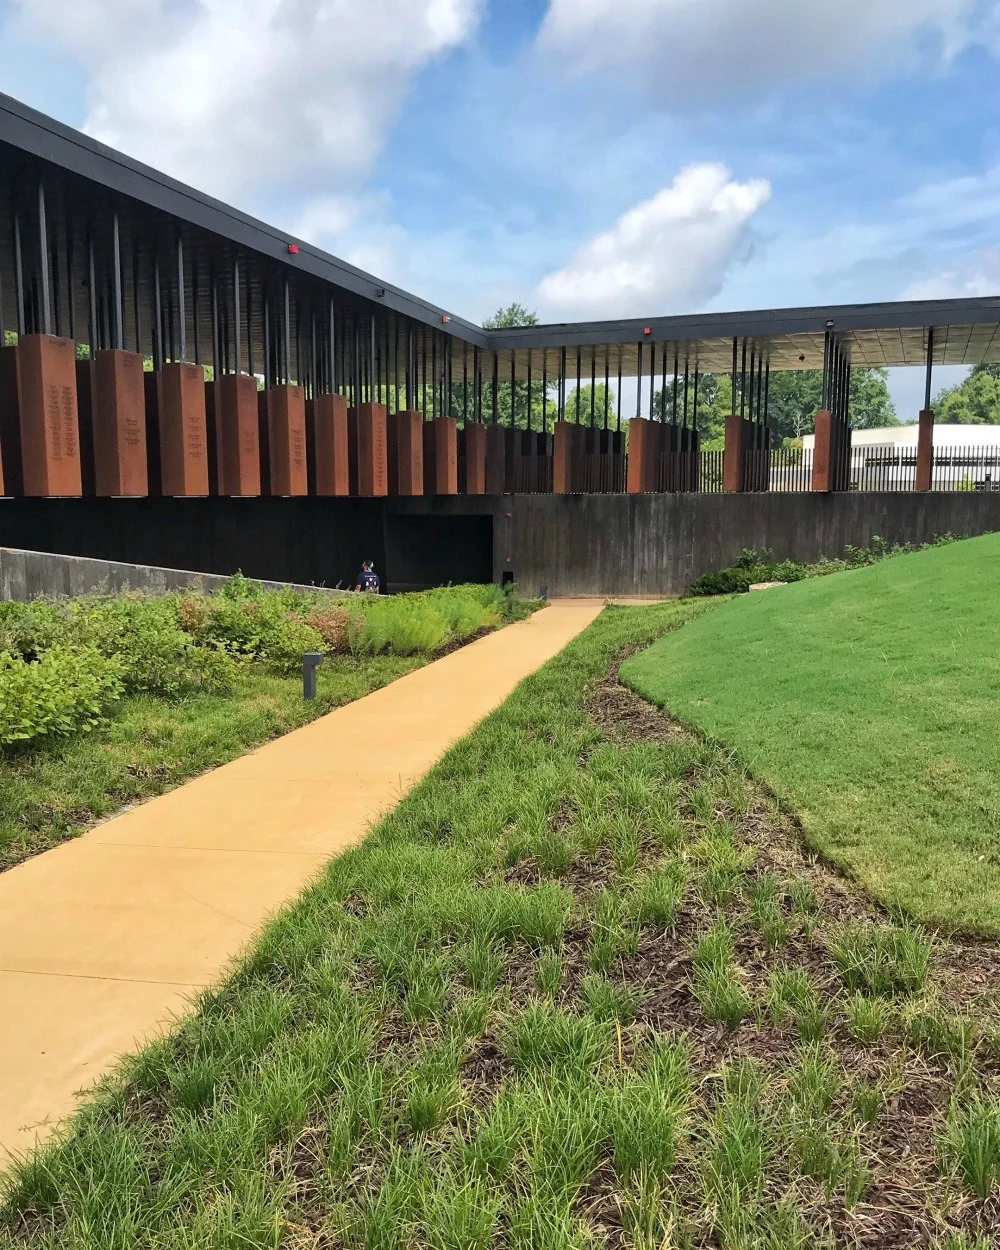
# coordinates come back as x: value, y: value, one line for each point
x: 334, y: 625
x: 259, y: 629
x: 29, y: 629
x: 65, y: 691
x: 156, y: 655
x: 755, y: 566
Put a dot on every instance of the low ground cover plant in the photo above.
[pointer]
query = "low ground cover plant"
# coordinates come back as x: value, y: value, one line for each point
x: 107, y: 698
x: 460, y: 1039
x: 758, y: 565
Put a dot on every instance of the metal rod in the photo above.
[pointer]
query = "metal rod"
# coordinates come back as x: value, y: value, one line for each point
x: 181, y: 315
x: 638, y: 381
x: 372, y: 363
x: 331, y: 348
x: 465, y: 385
x: 673, y: 417
x: 652, y: 378
x: 663, y: 385
x: 618, y: 395
x: 251, y: 361
x: 561, y: 407
x: 69, y: 288
x: 593, y: 383
x: 44, y: 239
x: 694, y: 414
x: 237, y: 331
x: 195, y: 324
x: 545, y: 390
x: 529, y: 390
x: 157, y: 303
x: 930, y: 368
x: 607, y: 383
x: 578, y: 372
x: 496, y: 386
x: 214, y: 314
x: 55, y: 288
x: 735, y: 357
x: 743, y: 379
x: 287, y: 335
x: 116, y: 283
x: 513, y: 382
x: 767, y: 389
x: 687, y: 375
x: 18, y: 275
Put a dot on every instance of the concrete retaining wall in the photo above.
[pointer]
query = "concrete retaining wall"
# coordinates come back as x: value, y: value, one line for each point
x: 24, y: 575
x: 658, y: 544
x: 573, y: 544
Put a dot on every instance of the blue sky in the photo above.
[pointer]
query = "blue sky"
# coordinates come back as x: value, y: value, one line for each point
x: 588, y: 157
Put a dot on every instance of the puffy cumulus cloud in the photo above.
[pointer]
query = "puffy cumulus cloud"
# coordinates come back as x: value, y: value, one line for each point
x: 705, y: 49
x: 979, y: 275
x: 669, y: 253
x: 232, y: 94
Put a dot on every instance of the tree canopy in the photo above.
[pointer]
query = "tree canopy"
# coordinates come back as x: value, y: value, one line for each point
x: 976, y: 401
x: 794, y: 397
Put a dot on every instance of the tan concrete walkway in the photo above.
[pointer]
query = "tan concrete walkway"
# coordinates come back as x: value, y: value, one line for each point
x: 104, y: 939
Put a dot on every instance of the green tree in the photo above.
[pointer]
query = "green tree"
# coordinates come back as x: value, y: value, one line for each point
x: 976, y: 401
x: 794, y: 397
x: 536, y: 403
x: 514, y: 314
x: 602, y: 413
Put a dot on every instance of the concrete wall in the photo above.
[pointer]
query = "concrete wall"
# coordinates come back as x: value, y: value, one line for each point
x: 658, y: 544
x: 573, y: 544
x: 24, y: 575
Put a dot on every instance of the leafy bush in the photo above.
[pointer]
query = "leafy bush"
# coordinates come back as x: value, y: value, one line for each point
x: 258, y: 629
x: 755, y: 566
x: 65, y: 691
x: 334, y: 625
x: 157, y: 656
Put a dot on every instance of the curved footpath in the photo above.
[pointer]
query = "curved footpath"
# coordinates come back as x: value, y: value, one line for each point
x: 104, y: 939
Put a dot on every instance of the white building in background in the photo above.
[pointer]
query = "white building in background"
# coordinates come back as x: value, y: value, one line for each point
x: 905, y: 436
x: 966, y: 457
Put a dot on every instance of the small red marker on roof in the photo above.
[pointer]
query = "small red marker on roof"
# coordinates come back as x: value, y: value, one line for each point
x: 293, y: 249
x: 648, y: 330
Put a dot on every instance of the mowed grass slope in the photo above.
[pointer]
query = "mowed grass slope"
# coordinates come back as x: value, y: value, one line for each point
x: 870, y: 701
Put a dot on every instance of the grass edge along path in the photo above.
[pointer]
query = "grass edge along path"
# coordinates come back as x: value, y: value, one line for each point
x: 149, y: 742
x: 149, y: 745
x: 579, y: 989
x: 867, y: 701
x: 103, y: 940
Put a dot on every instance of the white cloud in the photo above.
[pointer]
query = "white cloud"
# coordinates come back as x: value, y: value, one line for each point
x: 669, y: 253
x: 705, y: 49
x: 977, y: 276
x: 325, y: 218
x: 233, y: 95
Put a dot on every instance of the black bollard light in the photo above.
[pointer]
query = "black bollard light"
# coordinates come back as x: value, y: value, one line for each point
x: 310, y: 663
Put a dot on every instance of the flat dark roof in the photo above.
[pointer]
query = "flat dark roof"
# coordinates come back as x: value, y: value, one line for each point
x: 883, y: 334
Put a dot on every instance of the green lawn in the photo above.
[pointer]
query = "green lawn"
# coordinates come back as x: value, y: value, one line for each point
x: 54, y: 790
x: 581, y: 990
x: 870, y: 701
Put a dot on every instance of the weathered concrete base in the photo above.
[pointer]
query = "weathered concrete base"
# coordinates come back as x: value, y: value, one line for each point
x: 623, y: 545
